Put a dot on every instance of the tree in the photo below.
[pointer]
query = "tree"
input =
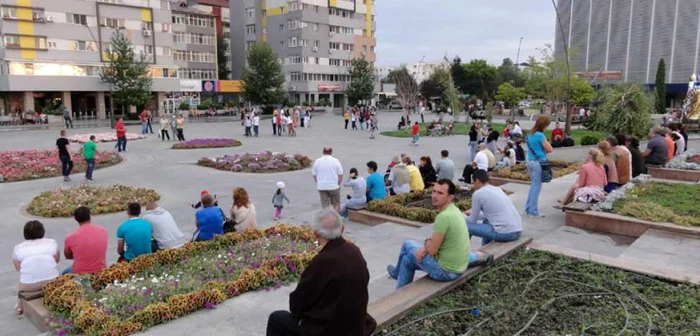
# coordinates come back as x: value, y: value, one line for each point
x: 510, y: 95
x: 582, y: 93
x: 406, y: 88
x: 263, y: 81
x: 448, y: 91
x: 391, y: 76
x: 361, y: 85
x: 623, y: 109
x: 480, y: 79
x: 508, y: 73
x: 126, y: 74
x: 430, y: 88
x: 459, y: 75
x: 660, y: 87
x: 222, y: 57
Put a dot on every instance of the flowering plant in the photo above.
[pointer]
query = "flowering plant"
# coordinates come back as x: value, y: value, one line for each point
x: 257, y: 162
x: 519, y: 171
x: 62, y: 202
x: 155, y: 288
x: 206, y: 143
x: 103, y: 137
x: 414, y: 205
x: 687, y: 161
x: 35, y: 164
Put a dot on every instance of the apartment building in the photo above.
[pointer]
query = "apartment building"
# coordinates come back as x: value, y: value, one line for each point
x: 315, y: 41
x: 222, y: 16
x: 54, y: 51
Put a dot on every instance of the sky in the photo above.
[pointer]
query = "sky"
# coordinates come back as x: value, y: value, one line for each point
x: 408, y: 30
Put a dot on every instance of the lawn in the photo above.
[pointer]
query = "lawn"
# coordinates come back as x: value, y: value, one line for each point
x: 416, y: 206
x: 463, y: 129
x: 661, y: 202
x: 539, y: 293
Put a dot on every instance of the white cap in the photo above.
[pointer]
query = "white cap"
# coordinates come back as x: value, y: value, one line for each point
x: 280, y: 185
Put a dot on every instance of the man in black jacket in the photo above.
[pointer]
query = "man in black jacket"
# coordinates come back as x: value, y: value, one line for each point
x: 331, y: 297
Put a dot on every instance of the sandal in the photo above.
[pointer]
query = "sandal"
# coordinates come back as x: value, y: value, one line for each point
x: 19, y: 310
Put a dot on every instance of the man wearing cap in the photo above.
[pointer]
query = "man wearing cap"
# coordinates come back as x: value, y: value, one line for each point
x: 328, y: 174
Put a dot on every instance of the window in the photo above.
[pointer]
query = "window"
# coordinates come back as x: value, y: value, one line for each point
x: 148, y: 49
x: 81, y: 45
x: 317, y: 44
x: 166, y: 51
x: 147, y: 25
x: 340, y: 12
x: 282, y: 27
x: 250, y: 12
x: 294, y: 6
x: 112, y: 23
x: 11, y: 41
x: 38, y: 15
x: 193, y: 20
x: 76, y: 19
x: 250, y: 29
x: 194, y: 56
x: 334, y: 46
x: 281, y: 44
x: 293, y: 42
x: 9, y: 12
x: 315, y: 26
x: 364, y: 49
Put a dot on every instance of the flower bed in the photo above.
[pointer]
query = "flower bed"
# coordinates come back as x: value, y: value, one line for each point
x: 62, y: 202
x: 36, y: 164
x: 655, y: 201
x: 206, y: 143
x: 264, y: 162
x: 156, y: 288
x: 686, y: 161
x: 416, y: 206
x: 103, y: 137
x: 519, y: 172
x: 540, y: 293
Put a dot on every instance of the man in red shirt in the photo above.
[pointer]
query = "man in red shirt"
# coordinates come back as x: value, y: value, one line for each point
x: 87, y: 246
x: 557, y: 131
x: 121, y: 135
x: 415, y: 131
x: 144, y: 122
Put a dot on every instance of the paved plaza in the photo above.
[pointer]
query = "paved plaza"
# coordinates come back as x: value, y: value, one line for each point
x: 173, y: 173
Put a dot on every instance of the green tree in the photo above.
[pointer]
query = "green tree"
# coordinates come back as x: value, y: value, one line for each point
x: 391, y: 76
x: 361, y: 87
x: 582, y: 93
x: 480, y: 79
x: 507, y: 72
x: 126, y: 74
x: 222, y: 57
x: 660, y: 87
x: 263, y: 81
x: 430, y: 88
x: 449, y: 93
x: 459, y: 75
x: 406, y: 89
x: 623, y: 109
x: 510, y: 95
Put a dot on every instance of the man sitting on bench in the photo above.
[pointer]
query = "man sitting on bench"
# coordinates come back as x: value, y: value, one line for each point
x: 484, y: 160
x: 445, y: 255
x: 501, y: 220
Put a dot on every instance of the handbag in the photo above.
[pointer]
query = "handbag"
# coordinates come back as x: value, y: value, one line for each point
x: 229, y: 223
x: 544, y: 164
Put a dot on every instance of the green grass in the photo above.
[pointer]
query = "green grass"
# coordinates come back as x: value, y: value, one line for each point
x: 662, y: 202
x: 463, y: 129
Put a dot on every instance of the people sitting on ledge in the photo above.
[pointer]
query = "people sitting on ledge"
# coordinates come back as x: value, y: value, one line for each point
x: 35, y: 259
x: 402, y: 123
x: 638, y: 166
x: 557, y: 132
x: 592, y: 179
x: 446, y: 254
x: 557, y: 141
x: 166, y: 233
x: 134, y: 235
x: 501, y: 221
x: 210, y: 219
x: 484, y: 160
x: 657, y: 148
x: 609, y: 166
x: 86, y: 246
x: 568, y: 141
x: 331, y: 296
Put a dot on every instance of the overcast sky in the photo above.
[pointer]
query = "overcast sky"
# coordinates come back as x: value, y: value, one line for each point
x: 407, y: 30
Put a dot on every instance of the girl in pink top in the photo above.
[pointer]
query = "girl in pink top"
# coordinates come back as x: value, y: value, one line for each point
x: 591, y: 181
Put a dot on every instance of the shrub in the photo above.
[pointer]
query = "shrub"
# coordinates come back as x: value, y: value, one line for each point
x: 589, y: 140
x: 263, y: 162
x: 624, y: 109
x: 202, y: 107
x: 62, y: 202
x: 184, y: 107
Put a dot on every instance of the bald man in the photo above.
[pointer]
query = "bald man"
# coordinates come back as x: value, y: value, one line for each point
x: 481, y: 161
x: 328, y: 174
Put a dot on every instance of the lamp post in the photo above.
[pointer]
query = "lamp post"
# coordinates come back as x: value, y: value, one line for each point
x: 567, y: 128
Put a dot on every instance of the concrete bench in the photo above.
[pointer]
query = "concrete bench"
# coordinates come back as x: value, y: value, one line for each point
x: 577, y: 206
x: 398, y: 304
x: 35, y: 311
x: 28, y: 296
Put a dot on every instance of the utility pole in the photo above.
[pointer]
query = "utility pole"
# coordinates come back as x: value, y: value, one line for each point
x: 567, y: 128
x: 517, y: 58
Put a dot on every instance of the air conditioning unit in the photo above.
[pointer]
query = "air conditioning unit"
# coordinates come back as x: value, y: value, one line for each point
x: 49, y: 19
x: 330, y: 51
x: 330, y: 34
x: 146, y: 33
x: 314, y: 48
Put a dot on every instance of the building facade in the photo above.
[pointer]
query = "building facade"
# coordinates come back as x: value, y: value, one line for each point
x: 54, y: 51
x: 315, y: 41
x: 625, y: 39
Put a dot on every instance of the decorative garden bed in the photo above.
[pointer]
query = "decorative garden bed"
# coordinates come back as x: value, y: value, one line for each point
x: 103, y: 137
x: 519, y: 173
x: 540, y: 293
x: 36, y: 164
x: 206, y: 143
x: 62, y: 202
x: 684, y: 167
x: 264, y: 162
x: 156, y: 288
x: 642, y: 204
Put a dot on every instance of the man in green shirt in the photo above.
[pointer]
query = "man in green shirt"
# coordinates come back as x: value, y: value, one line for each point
x: 89, y: 149
x: 445, y: 255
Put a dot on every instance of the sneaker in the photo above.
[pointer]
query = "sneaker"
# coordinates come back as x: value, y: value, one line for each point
x: 535, y: 216
x: 66, y: 179
x: 392, y: 271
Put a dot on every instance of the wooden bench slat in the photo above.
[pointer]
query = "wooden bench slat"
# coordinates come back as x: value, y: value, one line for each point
x: 578, y: 206
x: 396, y: 305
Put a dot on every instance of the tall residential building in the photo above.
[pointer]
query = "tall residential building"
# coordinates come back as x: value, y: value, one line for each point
x: 625, y: 39
x: 194, y: 41
x: 54, y: 50
x: 315, y: 41
x: 221, y: 12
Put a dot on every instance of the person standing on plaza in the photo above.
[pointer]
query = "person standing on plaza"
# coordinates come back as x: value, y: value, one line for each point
x: 173, y: 125
x: 415, y: 132
x: 538, y: 148
x: 89, y: 149
x: 328, y: 174
x: 144, y: 121
x: 150, y: 120
x: 86, y: 246
x: 164, y: 125
x: 353, y: 120
x: 473, y: 140
x: 346, y: 117
x: 492, y: 140
x: 445, y: 167
x: 307, y: 118
x: 67, y: 117
x: 180, y: 124
x: 272, y: 121
x: 121, y: 135
x: 247, y: 124
x: 361, y: 118
x: 64, y: 156
x: 278, y: 122
x: 134, y: 235
x: 256, y: 124
x: 278, y: 200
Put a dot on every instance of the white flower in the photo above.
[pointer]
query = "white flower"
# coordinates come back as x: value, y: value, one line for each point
x: 219, y: 256
x: 239, y: 258
x: 132, y: 287
x: 154, y: 280
x: 144, y: 288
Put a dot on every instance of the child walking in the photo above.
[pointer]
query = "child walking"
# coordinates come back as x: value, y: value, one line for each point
x: 278, y: 200
x: 415, y: 131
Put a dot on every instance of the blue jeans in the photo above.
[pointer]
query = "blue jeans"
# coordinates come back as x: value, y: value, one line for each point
x: 489, y: 234
x: 90, y: 168
x: 472, y: 145
x: 121, y: 144
x: 533, y: 195
x: 407, y: 265
x: 68, y: 270
x: 144, y: 128
x: 353, y: 202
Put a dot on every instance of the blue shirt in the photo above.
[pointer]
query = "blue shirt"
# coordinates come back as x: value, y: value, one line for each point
x: 136, y: 234
x: 210, y: 221
x: 534, y: 144
x: 375, y: 186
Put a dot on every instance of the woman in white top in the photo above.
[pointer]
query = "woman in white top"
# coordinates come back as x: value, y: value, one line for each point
x: 35, y: 259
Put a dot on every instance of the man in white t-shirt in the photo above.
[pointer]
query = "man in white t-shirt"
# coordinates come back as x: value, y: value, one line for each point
x: 481, y: 161
x: 256, y: 123
x: 328, y: 174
